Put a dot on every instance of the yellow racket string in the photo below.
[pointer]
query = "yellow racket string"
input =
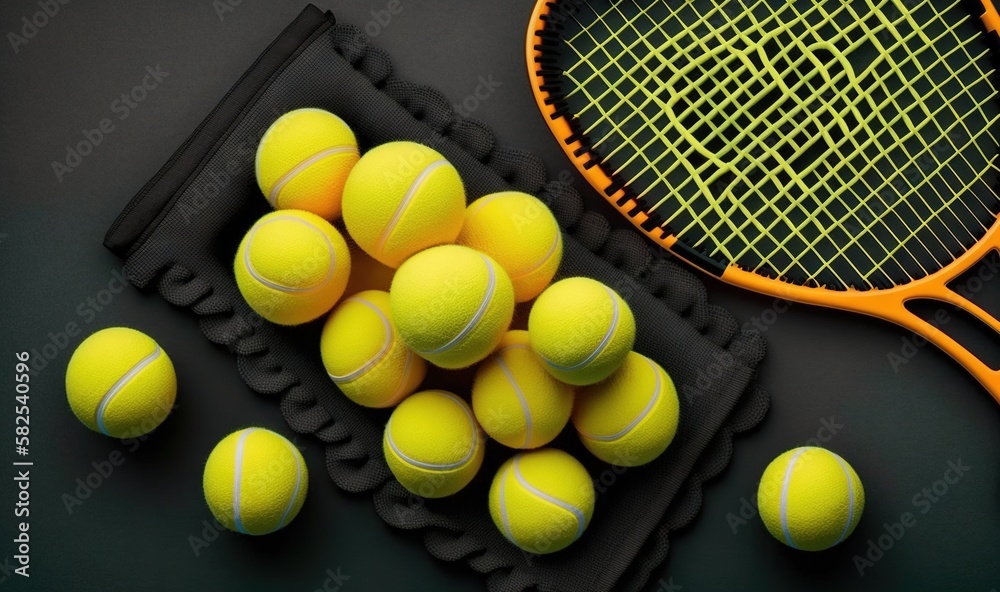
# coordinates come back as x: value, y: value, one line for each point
x: 825, y: 141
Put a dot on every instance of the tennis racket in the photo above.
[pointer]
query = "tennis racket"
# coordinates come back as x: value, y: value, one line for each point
x: 840, y: 153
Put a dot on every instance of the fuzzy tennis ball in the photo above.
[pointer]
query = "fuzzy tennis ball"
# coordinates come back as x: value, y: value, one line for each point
x: 542, y: 500
x: 810, y: 498
x: 364, y: 356
x: 517, y: 401
x: 521, y: 234
x: 433, y: 444
x: 451, y: 305
x: 629, y: 418
x: 255, y: 481
x: 582, y: 329
x: 402, y: 198
x: 120, y: 383
x: 292, y: 267
x: 303, y: 161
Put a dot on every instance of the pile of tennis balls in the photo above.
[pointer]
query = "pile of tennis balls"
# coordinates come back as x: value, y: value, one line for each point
x: 427, y: 280
x: 415, y: 277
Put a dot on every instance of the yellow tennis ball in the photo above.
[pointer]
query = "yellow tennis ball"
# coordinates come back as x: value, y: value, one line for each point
x: 364, y: 356
x: 582, y: 329
x: 451, y: 305
x: 292, y: 267
x: 402, y: 198
x: 517, y: 401
x: 303, y: 161
x: 542, y: 500
x: 629, y: 418
x: 521, y: 234
x: 120, y: 383
x: 432, y: 443
x: 255, y: 481
x: 810, y: 498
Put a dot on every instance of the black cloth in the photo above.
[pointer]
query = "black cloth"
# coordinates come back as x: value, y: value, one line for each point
x: 180, y: 233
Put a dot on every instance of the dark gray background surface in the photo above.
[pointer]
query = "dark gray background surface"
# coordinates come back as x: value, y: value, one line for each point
x: 899, y: 428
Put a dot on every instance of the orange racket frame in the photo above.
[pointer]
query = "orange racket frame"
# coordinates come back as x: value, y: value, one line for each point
x: 888, y: 304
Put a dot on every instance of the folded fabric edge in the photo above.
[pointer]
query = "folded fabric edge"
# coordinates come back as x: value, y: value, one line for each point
x: 144, y: 211
x: 687, y: 505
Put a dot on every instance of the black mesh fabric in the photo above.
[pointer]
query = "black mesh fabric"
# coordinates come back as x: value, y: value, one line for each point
x: 179, y: 234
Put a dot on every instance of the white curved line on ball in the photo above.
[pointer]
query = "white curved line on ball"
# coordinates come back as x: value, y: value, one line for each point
x: 786, y: 483
x: 298, y: 484
x: 528, y: 427
x: 119, y: 385
x: 482, y: 203
x: 401, y: 208
x: 237, y: 477
x: 491, y: 287
x: 283, y: 180
x: 380, y: 355
x: 407, y: 367
x: 850, y: 497
x: 604, y: 341
x: 281, y: 287
x: 580, y: 518
x: 479, y: 204
x: 503, y: 506
x: 436, y: 466
x: 538, y: 265
x: 283, y: 124
x: 642, y: 415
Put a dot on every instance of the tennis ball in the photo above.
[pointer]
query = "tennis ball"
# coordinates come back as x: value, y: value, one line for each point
x: 120, y: 383
x: 582, y: 329
x: 521, y: 234
x: 402, y: 198
x: 255, y: 481
x: 542, y: 500
x: 303, y: 160
x: 364, y: 356
x: 451, y: 305
x: 629, y: 418
x: 292, y: 267
x: 810, y: 499
x: 433, y: 444
x: 518, y: 403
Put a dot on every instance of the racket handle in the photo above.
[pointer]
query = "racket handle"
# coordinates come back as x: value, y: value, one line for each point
x: 988, y: 376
